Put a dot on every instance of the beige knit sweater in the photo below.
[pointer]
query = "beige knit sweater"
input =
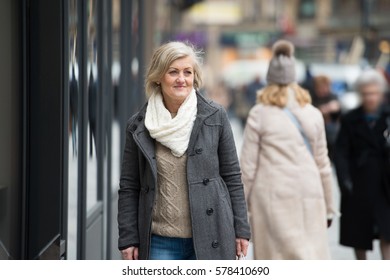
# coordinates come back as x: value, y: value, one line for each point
x: 171, y: 212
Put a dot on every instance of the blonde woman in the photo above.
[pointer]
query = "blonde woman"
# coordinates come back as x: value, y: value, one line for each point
x: 181, y: 195
x: 286, y: 169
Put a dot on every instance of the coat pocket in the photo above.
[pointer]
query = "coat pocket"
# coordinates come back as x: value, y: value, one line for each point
x: 222, y: 188
x: 226, y: 201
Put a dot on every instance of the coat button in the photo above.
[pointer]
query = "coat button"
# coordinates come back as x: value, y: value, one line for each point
x: 133, y: 127
x: 199, y: 151
x: 210, y: 211
x: 146, y: 189
x: 215, y: 244
x: 206, y: 181
x: 140, y: 118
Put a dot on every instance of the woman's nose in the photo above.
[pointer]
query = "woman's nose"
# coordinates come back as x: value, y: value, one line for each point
x: 181, y: 79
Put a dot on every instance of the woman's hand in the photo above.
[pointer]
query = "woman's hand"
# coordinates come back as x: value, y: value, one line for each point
x: 130, y: 253
x: 241, y: 246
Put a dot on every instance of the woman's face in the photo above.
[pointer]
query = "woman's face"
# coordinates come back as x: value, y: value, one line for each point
x: 177, y: 82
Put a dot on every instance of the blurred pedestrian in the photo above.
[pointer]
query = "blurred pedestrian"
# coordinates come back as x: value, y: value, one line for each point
x: 241, y: 106
x: 252, y: 89
x: 386, y: 74
x: 220, y: 94
x: 329, y: 105
x: 363, y: 170
x: 286, y: 169
x: 181, y: 195
x: 308, y: 82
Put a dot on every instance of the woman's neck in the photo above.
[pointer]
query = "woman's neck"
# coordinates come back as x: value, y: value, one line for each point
x: 172, y: 105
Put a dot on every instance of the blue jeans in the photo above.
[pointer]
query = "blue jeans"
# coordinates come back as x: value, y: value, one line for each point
x: 171, y: 248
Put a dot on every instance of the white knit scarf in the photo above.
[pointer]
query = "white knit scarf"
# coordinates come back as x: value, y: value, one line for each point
x: 173, y: 133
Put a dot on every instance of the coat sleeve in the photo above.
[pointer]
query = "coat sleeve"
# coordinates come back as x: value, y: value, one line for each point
x: 230, y: 172
x: 129, y: 189
x: 342, y: 156
x: 250, y: 150
x: 321, y: 157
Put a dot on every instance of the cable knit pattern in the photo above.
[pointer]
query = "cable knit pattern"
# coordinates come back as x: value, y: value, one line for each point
x: 173, y: 133
x: 171, y: 212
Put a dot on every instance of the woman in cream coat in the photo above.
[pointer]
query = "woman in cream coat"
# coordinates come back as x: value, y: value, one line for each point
x: 286, y: 169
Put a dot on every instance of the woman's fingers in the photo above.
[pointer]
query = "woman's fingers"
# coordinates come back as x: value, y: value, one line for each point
x: 127, y: 254
x: 241, y: 246
x: 136, y: 253
x: 238, y: 246
x: 244, y: 246
x: 130, y: 253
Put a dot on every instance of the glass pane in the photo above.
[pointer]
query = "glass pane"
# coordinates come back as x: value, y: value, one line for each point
x: 116, y: 71
x: 133, y: 101
x: 10, y: 135
x: 92, y: 97
x: 73, y: 126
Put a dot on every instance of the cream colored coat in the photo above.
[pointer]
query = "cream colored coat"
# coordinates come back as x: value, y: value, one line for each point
x: 288, y: 190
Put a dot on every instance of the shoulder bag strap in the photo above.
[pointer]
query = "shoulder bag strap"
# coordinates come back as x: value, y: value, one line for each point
x: 298, y: 125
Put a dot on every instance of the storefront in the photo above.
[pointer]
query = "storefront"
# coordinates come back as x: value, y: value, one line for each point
x: 71, y: 76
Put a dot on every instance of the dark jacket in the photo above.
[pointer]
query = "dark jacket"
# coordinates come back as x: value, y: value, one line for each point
x: 363, y: 172
x: 216, y: 196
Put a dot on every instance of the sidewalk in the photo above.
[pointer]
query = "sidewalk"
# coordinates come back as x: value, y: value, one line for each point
x: 338, y: 252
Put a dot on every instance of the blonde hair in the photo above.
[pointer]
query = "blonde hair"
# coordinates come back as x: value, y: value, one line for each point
x: 164, y: 56
x: 277, y: 95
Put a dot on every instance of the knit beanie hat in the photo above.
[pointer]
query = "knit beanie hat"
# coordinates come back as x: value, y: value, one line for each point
x: 281, y: 70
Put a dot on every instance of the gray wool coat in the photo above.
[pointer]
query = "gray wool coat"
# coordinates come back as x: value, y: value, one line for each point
x: 216, y: 195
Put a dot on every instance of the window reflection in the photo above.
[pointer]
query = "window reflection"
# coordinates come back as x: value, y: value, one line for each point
x: 73, y: 130
x: 116, y: 71
x: 92, y: 96
x: 136, y: 85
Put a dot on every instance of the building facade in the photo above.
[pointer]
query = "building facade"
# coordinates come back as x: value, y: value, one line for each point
x: 71, y: 76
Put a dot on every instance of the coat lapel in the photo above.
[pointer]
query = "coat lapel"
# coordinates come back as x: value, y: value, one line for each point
x: 205, y: 109
x: 364, y: 130
x: 142, y: 138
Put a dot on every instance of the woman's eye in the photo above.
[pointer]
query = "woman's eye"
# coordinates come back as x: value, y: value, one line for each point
x: 172, y: 72
x: 188, y: 72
